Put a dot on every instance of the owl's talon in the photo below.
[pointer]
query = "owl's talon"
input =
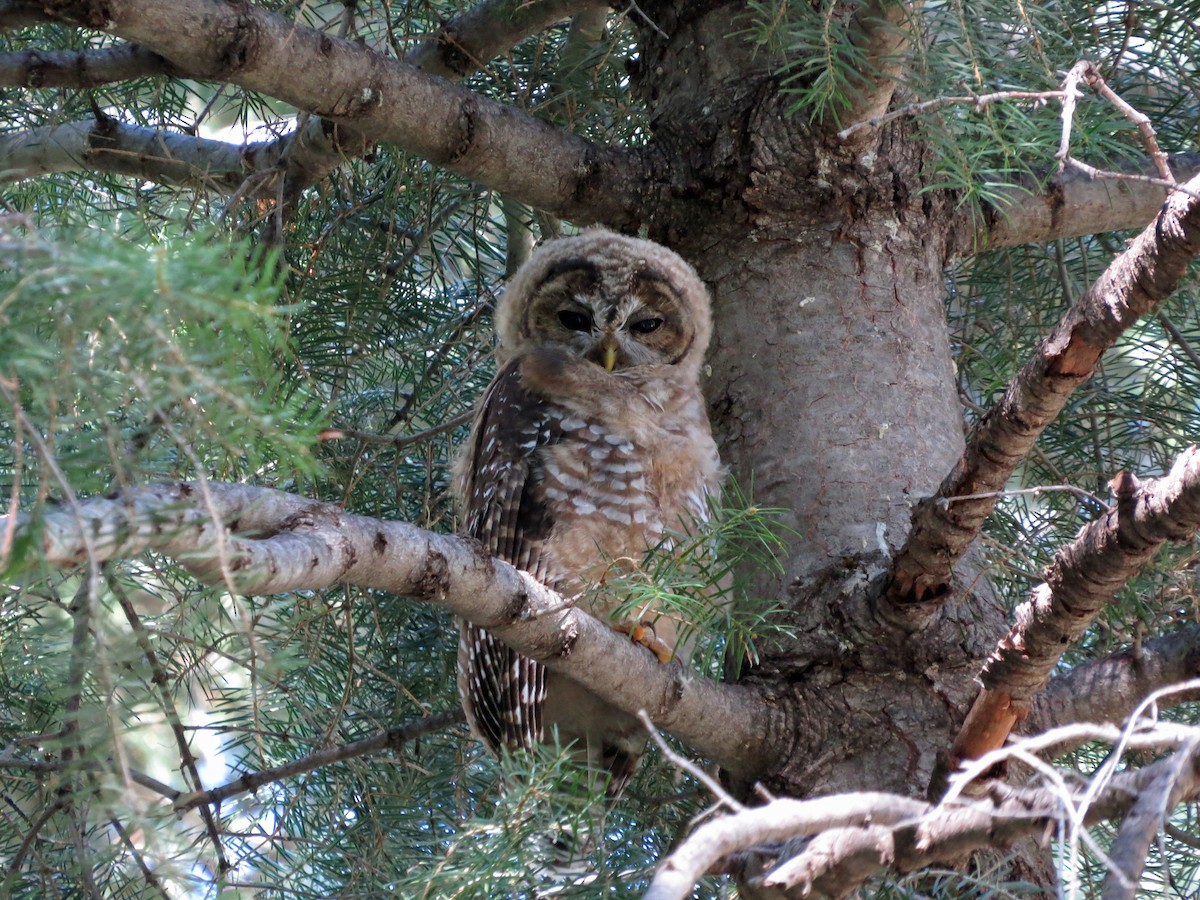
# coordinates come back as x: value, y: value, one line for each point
x: 643, y: 633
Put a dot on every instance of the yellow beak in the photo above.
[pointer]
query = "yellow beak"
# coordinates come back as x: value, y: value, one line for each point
x: 609, y: 357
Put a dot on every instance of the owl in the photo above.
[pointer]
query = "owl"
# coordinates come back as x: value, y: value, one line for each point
x: 590, y: 447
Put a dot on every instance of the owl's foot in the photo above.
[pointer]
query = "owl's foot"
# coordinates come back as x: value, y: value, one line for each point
x: 643, y: 633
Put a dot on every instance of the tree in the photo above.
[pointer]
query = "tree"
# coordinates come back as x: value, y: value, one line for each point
x: 899, y: 231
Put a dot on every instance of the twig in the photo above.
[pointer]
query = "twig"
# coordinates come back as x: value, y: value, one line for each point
x: 399, y: 440
x: 392, y: 739
x: 688, y: 766
x: 159, y: 676
x: 979, y: 101
x: 1034, y: 491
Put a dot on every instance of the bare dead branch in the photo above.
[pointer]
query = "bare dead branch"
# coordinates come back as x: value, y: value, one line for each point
x: 862, y: 834
x: 275, y: 542
x: 386, y: 100
x: 392, y: 739
x: 1142, y: 825
x: 979, y: 101
x: 467, y: 42
x: 778, y: 820
x: 1084, y: 577
x: 1108, y: 689
x: 1132, y: 286
x: 80, y: 68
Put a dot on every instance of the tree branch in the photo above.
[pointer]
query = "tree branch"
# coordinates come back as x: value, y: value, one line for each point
x: 1071, y: 204
x: 386, y: 100
x: 392, y: 739
x: 467, y: 42
x: 80, y: 68
x: 277, y: 542
x: 1084, y: 577
x: 882, y: 30
x: 1133, y: 285
x: 1108, y: 689
x: 863, y: 834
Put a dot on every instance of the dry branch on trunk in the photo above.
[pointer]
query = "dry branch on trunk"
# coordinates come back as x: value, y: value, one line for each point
x: 1084, y: 577
x: 261, y: 541
x: 856, y: 836
x: 944, y: 525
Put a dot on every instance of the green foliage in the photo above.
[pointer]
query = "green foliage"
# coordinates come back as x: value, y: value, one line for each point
x: 176, y: 351
x: 116, y: 360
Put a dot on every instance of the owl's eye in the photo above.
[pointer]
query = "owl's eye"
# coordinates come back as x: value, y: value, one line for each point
x: 575, y: 320
x: 645, y: 326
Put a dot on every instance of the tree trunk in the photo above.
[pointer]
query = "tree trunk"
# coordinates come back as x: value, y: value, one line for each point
x: 833, y: 395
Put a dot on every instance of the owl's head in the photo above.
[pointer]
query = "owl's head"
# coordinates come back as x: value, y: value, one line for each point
x: 618, y: 301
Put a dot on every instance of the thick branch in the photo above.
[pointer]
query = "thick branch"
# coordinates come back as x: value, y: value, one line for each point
x: 1107, y: 690
x: 80, y: 68
x: 1084, y: 577
x: 386, y: 100
x: 467, y: 42
x: 277, y: 542
x: 1069, y: 205
x: 944, y: 525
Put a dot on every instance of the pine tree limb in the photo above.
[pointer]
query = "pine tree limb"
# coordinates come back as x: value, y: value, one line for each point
x: 1132, y: 286
x: 275, y: 542
x: 467, y: 42
x: 1108, y: 689
x: 380, y: 98
x: 1084, y: 577
x: 80, y: 68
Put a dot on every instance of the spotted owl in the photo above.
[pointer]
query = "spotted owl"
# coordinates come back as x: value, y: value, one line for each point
x: 590, y: 447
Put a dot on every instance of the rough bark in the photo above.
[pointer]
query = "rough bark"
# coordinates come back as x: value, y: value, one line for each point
x: 832, y: 393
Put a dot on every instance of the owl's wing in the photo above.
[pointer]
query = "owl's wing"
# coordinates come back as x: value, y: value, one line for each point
x: 506, y: 510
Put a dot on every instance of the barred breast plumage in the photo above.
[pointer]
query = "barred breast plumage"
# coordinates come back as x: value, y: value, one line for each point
x: 590, y: 447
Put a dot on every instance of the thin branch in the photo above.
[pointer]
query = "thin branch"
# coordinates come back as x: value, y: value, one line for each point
x: 80, y: 68
x: 465, y: 43
x: 158, y: 675
x: 1133, y: 285
x: 979, y: 101
x: 277, y: 542
x: 396, y: 441
x: 1084, y: 577
x: 392, y: 739
x: 686, y: 765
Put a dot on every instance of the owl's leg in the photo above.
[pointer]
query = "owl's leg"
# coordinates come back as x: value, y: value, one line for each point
x: 643, y: 633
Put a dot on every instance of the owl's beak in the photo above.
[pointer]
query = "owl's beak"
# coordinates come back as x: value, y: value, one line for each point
x: 608, y: 354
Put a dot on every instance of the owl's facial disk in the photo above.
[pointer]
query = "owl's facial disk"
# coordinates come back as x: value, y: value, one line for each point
x: 636, y: 322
